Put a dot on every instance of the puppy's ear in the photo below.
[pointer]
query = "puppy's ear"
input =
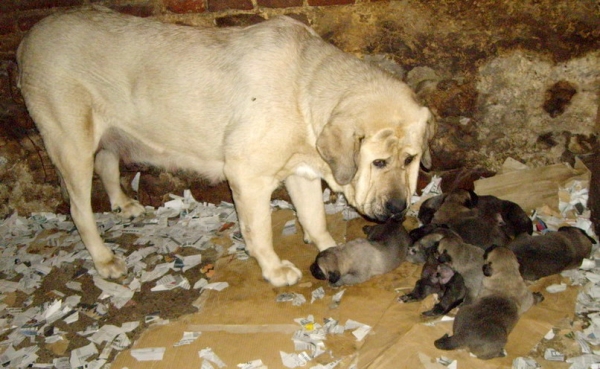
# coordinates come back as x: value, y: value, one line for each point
x: 487, y: 269
x: 334, y: 277
x: 444, y: 257
x: 429, y: 133
x: 429, y: 207
x: 488, y: 251
x: 473, y: 200
x: 316, y: 271
x: 339, y: 145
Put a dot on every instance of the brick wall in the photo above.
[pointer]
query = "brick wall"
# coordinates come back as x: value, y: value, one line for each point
x: 17, y: 16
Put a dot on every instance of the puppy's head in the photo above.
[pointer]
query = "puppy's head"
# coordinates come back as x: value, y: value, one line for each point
x: 499, y: 260
x: 444, y: 243
x: 578, y: 234
x: 325, y: 267
x: 373, y: 143
x: 462, y: 197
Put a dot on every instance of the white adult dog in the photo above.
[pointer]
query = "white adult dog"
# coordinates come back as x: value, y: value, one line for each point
x: 256, y: 106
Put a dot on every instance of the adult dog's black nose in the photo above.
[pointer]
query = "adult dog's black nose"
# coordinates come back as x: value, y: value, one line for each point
x: 395, y: 207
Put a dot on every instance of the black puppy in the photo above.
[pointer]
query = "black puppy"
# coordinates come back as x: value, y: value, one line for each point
x: 440, y: 279
x: 551, y: 253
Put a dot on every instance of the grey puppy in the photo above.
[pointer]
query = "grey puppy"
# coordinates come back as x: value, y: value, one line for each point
x: 551, y: 253
x: 484, y: 325
x: 480, y: 220
x: 464, y: 258
x: 383, y: 250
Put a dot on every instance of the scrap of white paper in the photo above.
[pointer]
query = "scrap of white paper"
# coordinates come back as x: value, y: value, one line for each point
x: 135, y: 182
x: 208, y: 354
x: 293, y: 360
x: 217, y: 286
x: 148, y: 354
x: 254, y: 364
x: 317, y: 294
x: 525, y: 363
x: 81, y: 354
x: 188, y: 338
x: 120, y: 295
x: 552, y: 355
x: 555, y: 288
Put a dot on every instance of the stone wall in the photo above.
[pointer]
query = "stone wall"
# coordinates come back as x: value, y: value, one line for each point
x: 505, y: 79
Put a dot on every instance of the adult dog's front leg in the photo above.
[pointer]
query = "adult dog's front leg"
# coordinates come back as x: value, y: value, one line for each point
x: 307, y: 197
x: 252, y: 199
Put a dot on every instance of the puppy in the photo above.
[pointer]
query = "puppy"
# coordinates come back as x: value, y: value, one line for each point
x: 484, y: 325
x: 464, y: 258
x: 357, y: 261
x: 439, y: 279
x: 480, y: 220
x: 551, y: 253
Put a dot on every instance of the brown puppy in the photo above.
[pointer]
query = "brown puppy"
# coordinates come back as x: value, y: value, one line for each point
x: 483, y: 326
x: 551, y: 253
x: 464, y: 258
x: 357, y: 261
x: 480, y: 220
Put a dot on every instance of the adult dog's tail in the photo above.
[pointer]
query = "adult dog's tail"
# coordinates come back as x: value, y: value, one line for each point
x: 446, y: 343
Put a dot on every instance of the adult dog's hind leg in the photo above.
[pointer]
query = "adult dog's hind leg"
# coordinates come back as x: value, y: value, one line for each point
x: 307, y: 198
x: 72, y: 151
x: 106, y: 165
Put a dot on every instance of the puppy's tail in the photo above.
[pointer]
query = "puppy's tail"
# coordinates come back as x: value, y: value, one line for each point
x: 446, y: 343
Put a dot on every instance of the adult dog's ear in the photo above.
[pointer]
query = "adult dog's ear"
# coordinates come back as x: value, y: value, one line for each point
x: 429, y: 133
x: 339, y: 146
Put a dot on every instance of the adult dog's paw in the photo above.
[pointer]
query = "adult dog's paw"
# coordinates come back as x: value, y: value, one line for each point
x: 286, y: 274
x: 130, y: 209
x: 113, y: 268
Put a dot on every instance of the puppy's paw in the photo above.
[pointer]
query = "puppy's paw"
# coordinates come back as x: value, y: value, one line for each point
x: 113, y: 268
x: 286, y: 274
x: 129, y: 209
x: 407, y: 298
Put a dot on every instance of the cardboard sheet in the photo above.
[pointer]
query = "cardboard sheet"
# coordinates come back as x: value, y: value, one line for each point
x: 244, y: 322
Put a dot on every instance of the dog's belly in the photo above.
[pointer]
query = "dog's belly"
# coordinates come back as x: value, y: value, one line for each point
x: 208, y: 163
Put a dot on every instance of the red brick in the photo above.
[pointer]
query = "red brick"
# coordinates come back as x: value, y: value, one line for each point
x: 8, y: 6
x: 8, y: 24
x: 279, y: 3
x: 26, y: 22
x: 329, y: 2
x: 238, y: 20
x: 8, y: 46
x: 45, y: 4
x: 185, y: 6
x: 220, y: 5
x: 137, y: 10
x: 299, y: 17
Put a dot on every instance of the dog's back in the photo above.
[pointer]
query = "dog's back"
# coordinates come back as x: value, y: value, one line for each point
x: 551, y: 253
x: 482, y: 327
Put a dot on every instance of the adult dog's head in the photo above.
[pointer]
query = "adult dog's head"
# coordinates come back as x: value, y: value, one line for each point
x: 373, y: 143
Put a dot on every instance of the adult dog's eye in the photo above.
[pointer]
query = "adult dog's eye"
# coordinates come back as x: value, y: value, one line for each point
x: 379, y: 163
x: 409, y: 160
